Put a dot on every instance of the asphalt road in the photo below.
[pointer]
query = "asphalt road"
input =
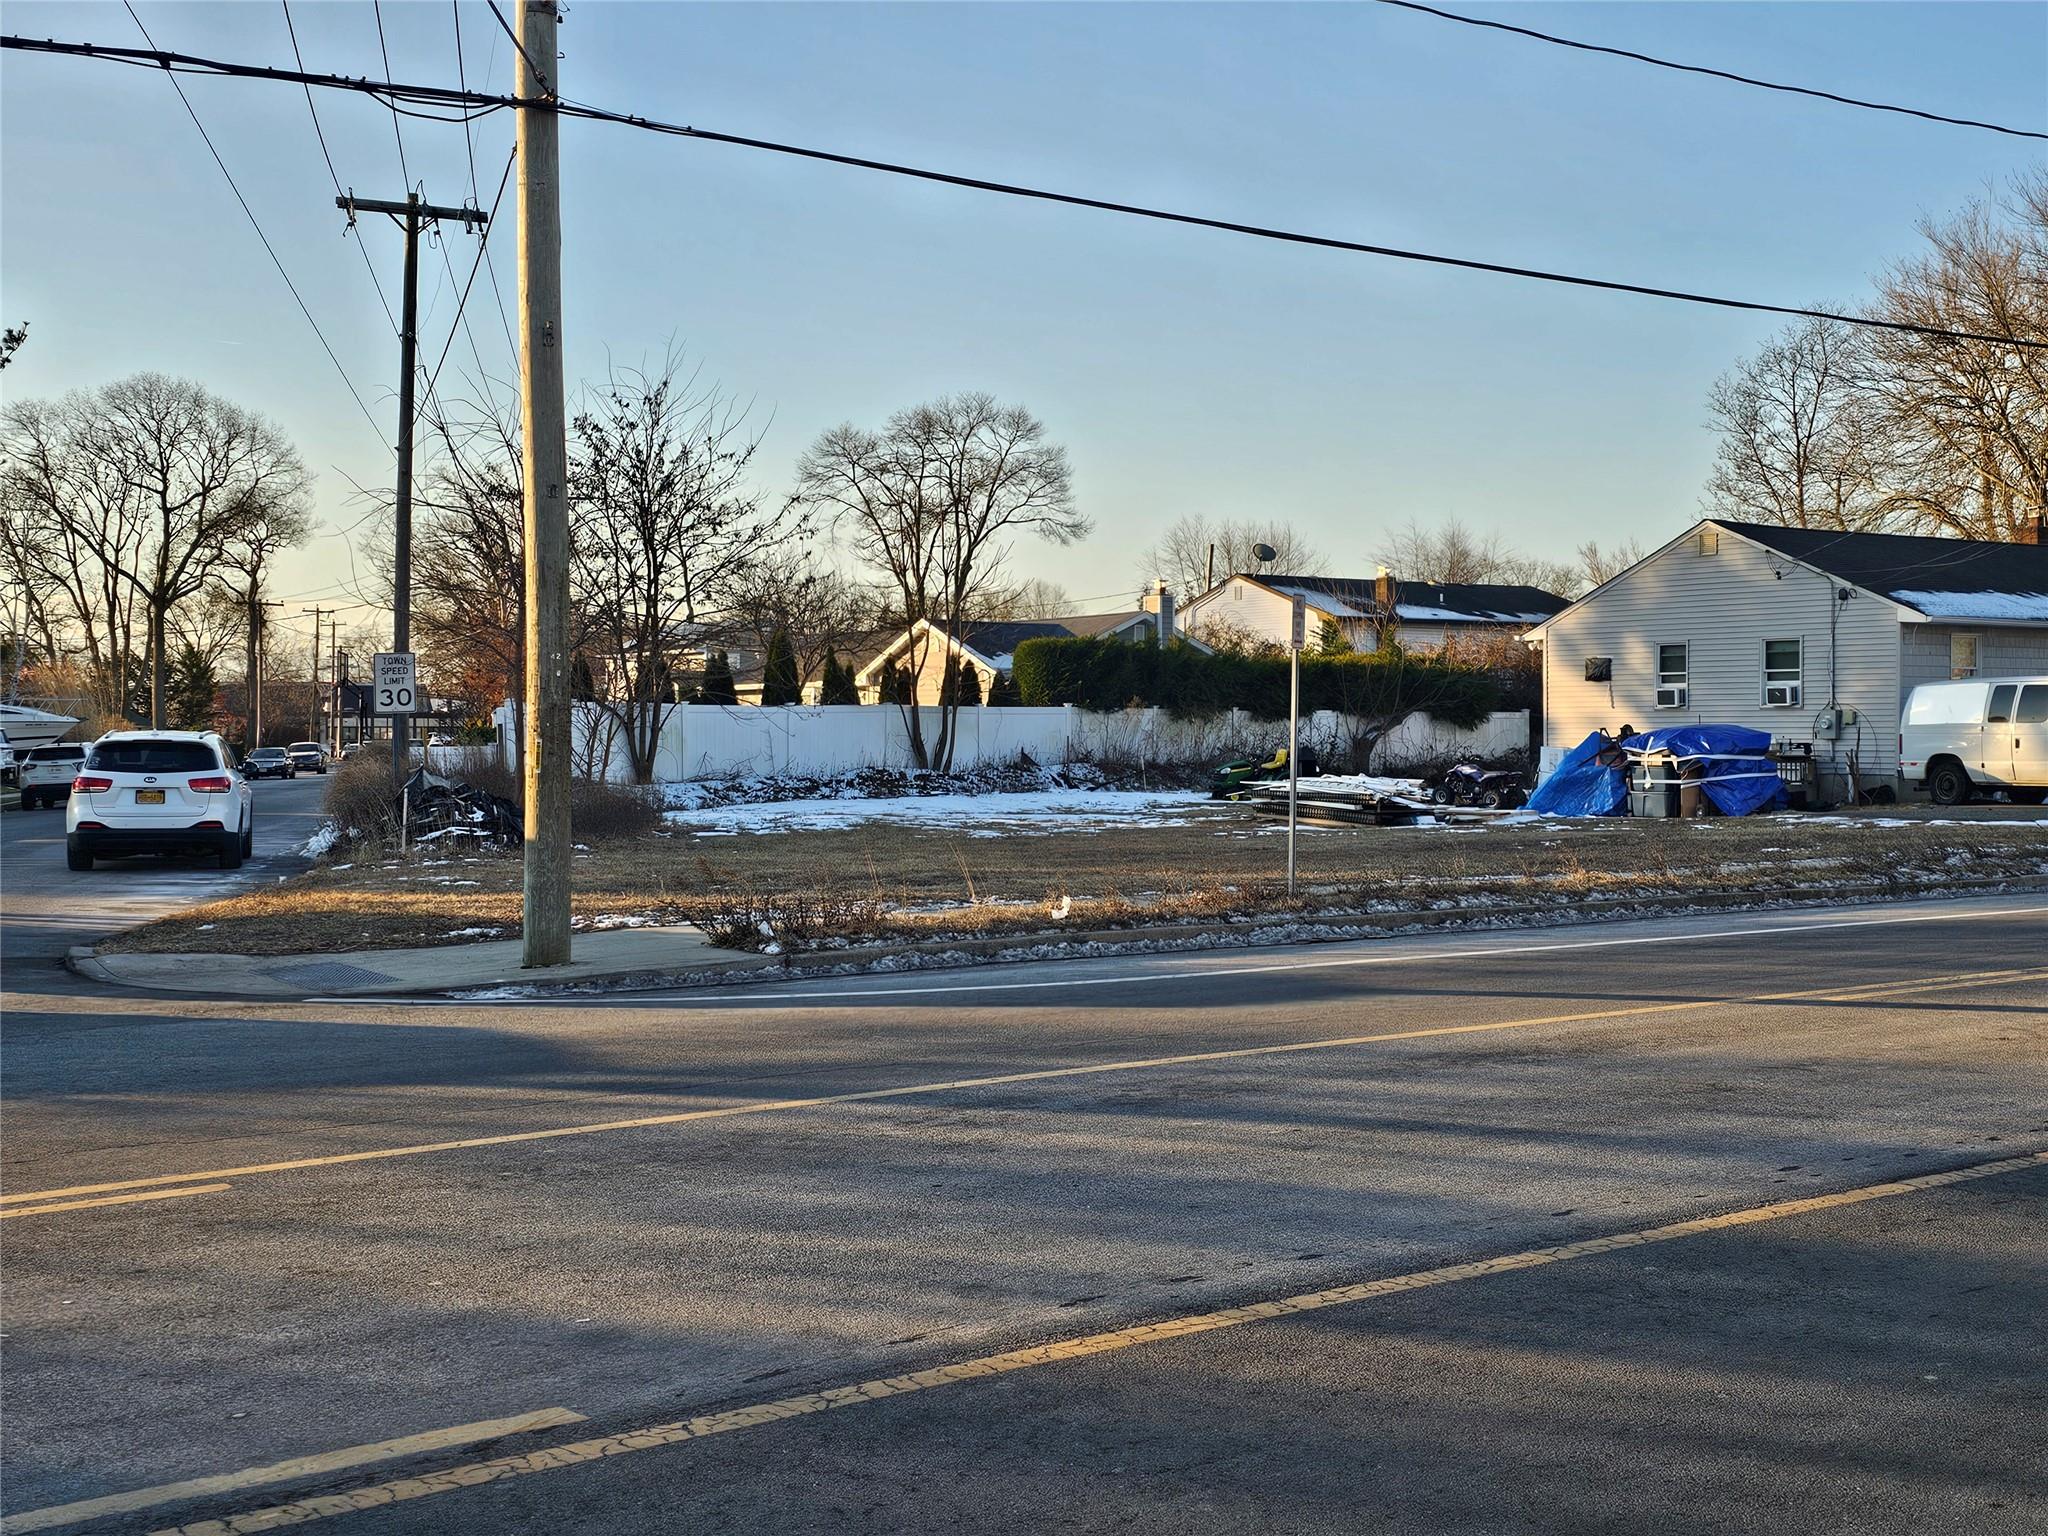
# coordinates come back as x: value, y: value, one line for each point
x: 45, y: 908
x: 746, y: 1197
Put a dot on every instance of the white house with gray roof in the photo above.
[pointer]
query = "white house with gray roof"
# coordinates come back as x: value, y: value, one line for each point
x: 1811, y: 634
x: 1424, y: 614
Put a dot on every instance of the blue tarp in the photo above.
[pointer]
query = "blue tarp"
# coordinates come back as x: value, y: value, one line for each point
x: 1735, y: 775
x: 1580, y: 786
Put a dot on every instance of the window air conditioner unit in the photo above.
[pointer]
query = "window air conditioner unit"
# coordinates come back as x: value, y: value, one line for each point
x: 1599, y: 669
x: 1671, y: 696
x: 1781, y: 696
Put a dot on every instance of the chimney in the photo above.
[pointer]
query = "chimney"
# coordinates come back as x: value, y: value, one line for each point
x: 1159, y: 601
x: 1383, y: 590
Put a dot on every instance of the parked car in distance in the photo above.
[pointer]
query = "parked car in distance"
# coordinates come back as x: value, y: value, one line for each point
x: 46, y: 773
x: 269, y: 763
x: 1977, y: 735
x: 158, y: 792
x: 308, y: 756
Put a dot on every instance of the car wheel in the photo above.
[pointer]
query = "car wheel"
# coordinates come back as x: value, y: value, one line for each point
x: 1949, y: 784
x: 249, y: 838
x: 76, y: 854
x: 28, y: 800
x: 231, y: 852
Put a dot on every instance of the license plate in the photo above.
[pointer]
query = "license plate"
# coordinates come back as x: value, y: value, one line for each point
x: 149, y: 797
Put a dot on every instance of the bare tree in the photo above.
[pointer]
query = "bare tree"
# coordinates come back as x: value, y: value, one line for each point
x: 1194, y: 547
x: 820, y: 608
x: 1800, y: 442
x: 932, y: 501
x: 150, y: 479
x: 1032, y: 598
x: 1448, y: 551
x: 666, y: 531
x: 1598, y: 566
x: 1969, y: 419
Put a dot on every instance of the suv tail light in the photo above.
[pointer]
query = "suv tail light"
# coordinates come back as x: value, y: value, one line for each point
x: 213, y: 784
x: 87, y: 784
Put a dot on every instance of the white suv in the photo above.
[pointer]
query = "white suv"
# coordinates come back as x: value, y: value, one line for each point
x: 46, y: 772
x: 158, y: 792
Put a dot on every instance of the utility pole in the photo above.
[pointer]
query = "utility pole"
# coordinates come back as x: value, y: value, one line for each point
x: 254, y: 678
x: 545, y: 907
x: 313, y: 719
x: 412, y: 214
x: 334, y: 676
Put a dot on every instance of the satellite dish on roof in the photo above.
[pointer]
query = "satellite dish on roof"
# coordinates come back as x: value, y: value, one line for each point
x: 1265, y: 554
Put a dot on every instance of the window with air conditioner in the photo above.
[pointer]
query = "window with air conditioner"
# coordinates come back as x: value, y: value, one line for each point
x: 1674, y: 675
x: 1784, y: 673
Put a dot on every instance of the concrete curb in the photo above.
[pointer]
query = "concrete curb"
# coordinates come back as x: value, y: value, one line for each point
x: 964, y: 953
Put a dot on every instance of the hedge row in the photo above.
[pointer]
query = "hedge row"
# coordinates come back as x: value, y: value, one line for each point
x: 1111, y: 674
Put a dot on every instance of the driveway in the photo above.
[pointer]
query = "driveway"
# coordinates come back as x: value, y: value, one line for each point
x: 47, y: 908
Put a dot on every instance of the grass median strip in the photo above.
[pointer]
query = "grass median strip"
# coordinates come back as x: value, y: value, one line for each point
x: 1872, y: 992
x: 861, y: 1394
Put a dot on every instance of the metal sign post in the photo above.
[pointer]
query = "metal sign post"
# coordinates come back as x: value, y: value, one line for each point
x: 1296, y: 639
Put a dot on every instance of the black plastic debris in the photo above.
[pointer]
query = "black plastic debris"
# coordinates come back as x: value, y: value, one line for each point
x: 438, y: 809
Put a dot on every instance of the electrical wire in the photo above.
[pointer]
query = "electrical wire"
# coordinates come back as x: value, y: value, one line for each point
x: 176, y: 63
x: 377, y: 9
x: 483, y: 244
x: 369, y: 265
x: 1718, y: 74
x: 476, y: 193
x: 540, y: 75
x: 271, y: 250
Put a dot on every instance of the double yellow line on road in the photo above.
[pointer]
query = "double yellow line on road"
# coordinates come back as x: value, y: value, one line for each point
x: 861, y: 1394
x: 79, y: 1196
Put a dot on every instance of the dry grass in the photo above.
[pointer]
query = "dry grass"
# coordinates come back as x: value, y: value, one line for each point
x: 880, y: 883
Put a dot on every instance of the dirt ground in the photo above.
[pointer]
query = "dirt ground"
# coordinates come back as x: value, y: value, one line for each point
x: 882, y: 881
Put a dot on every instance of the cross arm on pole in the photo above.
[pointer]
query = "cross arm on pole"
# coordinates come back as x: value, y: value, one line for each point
x: 353, y: 205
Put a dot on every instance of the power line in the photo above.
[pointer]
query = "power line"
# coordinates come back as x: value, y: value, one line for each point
x: 369, y: 265
x: 377, y: 9
x: 483, y: 244
x: 260, y: 235
x: 382, y: 89
x: 476, y: 193
x: 1718, y: 74
x: 539, y: 74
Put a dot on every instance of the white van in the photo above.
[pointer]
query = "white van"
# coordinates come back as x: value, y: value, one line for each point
x: 1985, y: 733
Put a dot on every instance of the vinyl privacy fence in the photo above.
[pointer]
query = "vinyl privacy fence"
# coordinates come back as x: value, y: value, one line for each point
x: 700, y: 741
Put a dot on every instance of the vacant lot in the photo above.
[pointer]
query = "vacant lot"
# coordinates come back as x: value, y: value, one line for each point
x: 880, y: 881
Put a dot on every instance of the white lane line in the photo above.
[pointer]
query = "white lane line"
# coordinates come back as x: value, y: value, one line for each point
x: 940, y: 987
x: 284, y: 1471
x: 1869, y: 992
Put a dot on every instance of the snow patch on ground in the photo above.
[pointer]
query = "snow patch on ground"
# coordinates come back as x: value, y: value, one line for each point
x: 323, y: 840
x: 993, y: 815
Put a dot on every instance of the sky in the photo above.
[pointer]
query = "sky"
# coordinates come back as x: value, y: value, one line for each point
x: 1186, y: 371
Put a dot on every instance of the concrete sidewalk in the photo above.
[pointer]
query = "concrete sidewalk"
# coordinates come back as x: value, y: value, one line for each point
x: 615, y: 954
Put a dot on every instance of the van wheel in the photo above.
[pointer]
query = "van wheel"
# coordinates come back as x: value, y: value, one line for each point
x: 76, y: 855
x: 1948, y: 783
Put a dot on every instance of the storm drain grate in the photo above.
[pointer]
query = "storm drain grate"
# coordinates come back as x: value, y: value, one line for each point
x: 326, y: 973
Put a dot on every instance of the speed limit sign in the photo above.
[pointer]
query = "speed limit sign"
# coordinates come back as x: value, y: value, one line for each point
x: 394, y: 684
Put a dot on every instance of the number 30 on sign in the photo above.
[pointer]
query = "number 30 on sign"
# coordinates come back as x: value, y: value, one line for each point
x: 395, y: 684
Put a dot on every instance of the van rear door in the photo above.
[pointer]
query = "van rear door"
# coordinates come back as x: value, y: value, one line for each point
x: 2028, y: 734
x: 1997, y: 750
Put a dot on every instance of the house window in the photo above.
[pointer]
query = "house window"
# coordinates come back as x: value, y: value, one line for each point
x: 1784, y: 673
x: 1674, y: 675
x: 1964, y: 652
